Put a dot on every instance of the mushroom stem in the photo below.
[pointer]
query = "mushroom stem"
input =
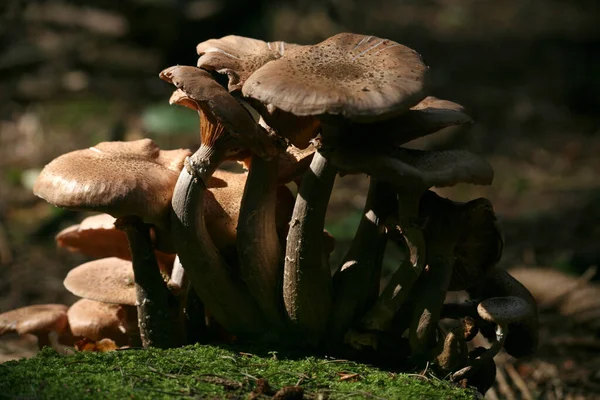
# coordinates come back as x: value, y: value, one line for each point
x: 356, y: 283
x: 259, y: 251
x: 410, y: 239
x: 460, y: 310
x: 485, y: 357
x: 429, y: 294
x: 153, y: 298
x: 224, y: 294
x: 307, y: 291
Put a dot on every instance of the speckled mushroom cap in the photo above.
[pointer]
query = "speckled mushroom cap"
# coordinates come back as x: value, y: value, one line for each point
x: 505, y: 310
x: 96, y: 320
x: 238, y: 56
x: 119, y: 178
x: 109, y: 280
x: 356, y: 76
x: 34, y: 319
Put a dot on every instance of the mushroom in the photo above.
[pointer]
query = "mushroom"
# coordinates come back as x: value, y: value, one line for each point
x: 356, y: 77
x: 109, y: 280
x: 462, y: 243
x: 356, y: 282
x: 238, y: 56
x: 132, y: 181
x: 522, y: 338
x: 501, y: 311
x: 97, y: 237
x: 97, y: 320
x: 227, y: 128
x: 38, y: 320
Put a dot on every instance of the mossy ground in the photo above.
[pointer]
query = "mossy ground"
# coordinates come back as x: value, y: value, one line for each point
x: 206, y: 372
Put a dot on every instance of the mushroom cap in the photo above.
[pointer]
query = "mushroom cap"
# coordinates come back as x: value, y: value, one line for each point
x: 197, y: 85
x: 109, y: 280
x: 238, y: 56
x: 505, y: 310
x: 471, y: 229
x: 427, y: 117
x: 34, y: 319
x: 97, y: 237
x: 96, y: 320
x: 118, y: 178
x: 415, y: 169
x: 356, y: 76
x: 293, y: 163
x: 222, y: 207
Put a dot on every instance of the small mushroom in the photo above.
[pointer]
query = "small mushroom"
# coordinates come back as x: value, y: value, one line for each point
x: 501, y: 311
x: 38, y: 320
x: 97, y: 237
x: 95, y: 320
x: 134, y: 182
x: 454, y: 353
x: 109, y: 280
x: 522, y: 339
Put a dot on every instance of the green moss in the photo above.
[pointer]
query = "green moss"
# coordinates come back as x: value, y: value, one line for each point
x: 204, y: 372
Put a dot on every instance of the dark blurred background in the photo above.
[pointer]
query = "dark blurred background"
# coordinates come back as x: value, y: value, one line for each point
x: 74, y: 73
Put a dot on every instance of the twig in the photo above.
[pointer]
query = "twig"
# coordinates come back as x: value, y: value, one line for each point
x: 491, y: 394
x: 580, y: 282
x: 503, y: 385
x: 519, y: 382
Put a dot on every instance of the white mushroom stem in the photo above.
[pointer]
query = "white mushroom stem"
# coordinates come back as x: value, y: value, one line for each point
x: 356, y: 283
x: 154, y: 301
x: 259, y: 251
x: 307, y: 291
x: 224, y: 293
x: 481, y: 360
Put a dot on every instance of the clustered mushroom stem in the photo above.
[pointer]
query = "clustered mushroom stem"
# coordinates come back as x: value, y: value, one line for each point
x: 356, y: 283
x: 429, y: 294
x: 412, y: 242
x: 153, y: 298
x: 259, y: 250
x: 460, y: 310
x: 307, y: 288
x: 214, y: 281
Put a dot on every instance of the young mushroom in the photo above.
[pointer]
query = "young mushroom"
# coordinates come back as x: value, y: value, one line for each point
x: 98, y: 237
x: 132, y: 181
x: 38, y: 320
x: 454, y: 352
x: 227, y: 129
x: 343, y: 79
x: 501, y: 311
x: 96, y: 320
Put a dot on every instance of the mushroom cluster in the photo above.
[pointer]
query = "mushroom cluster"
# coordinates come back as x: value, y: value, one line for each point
x: 254, y: 259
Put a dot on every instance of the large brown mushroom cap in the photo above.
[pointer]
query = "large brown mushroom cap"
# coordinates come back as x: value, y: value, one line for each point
x: 118, y: 178
x: 356, y: 76
x: 96, y: 320
x: 505, y: 310
x: 36, y: 319
x: 109, y: 280
x: 238, y: 56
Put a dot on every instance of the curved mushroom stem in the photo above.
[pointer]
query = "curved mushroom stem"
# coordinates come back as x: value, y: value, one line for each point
x: 356, y: 283
x: 411, y: 241
x: 460, y: 310
x: 225, y: 295
x: 454, y: 353
x: 429, y: 293
x: 307, y: 291
x: 258, y: 245
x: 154, y: 301
x: 481, y: 360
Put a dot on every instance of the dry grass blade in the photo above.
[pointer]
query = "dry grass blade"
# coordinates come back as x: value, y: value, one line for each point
x: 503, y: 385
x: 519, y: 382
